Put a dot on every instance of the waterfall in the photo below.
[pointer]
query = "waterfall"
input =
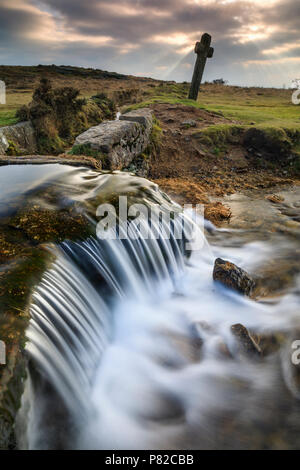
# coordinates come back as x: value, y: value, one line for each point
x: 130, y: 344
x: 72, y: 308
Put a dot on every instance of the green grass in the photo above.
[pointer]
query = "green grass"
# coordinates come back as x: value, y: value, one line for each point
x: 270, y: 111
x: 14, y: 100
x: 219, y: 135
x: 164, y: 99
x: 267, y: 108
x: 7, y: 118
x: 85, y: 149
x: 261, y: 106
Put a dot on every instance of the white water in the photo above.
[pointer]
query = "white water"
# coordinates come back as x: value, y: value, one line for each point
x: 152, y: 386
x: 117, y: 326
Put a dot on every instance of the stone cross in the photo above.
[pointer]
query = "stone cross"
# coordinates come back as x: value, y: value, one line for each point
x: 203, y: 51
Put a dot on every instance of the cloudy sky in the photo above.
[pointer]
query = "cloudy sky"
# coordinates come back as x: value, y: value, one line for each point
x: 256, y: 42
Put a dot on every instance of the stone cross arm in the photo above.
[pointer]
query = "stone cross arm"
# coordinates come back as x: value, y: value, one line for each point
x: 201, y: 50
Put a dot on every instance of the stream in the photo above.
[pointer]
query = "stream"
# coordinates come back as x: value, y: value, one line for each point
x: 129, y: 342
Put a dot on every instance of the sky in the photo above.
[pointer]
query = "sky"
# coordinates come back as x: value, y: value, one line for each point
x: 256, y: 42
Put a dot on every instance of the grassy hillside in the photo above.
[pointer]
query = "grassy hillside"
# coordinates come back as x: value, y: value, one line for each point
x: 262, y: 106
x: 21, y: 81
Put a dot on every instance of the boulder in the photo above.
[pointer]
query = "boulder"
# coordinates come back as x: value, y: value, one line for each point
x: 21, y: 135
x: 233, y: 277
x: 118, y: 142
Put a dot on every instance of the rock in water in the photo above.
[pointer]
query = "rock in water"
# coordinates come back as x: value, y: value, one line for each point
x: 245, y: 341
x: 233, y: 277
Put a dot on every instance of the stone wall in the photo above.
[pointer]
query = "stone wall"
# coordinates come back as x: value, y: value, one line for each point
x: 118, y: 142
x: 21, y: 136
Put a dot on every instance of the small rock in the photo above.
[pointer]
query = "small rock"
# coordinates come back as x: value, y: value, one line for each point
x: 176, y: 132
x: 233, y: 277
x: 245, y: 341
x: 275, y: 199
x: 189, y: 123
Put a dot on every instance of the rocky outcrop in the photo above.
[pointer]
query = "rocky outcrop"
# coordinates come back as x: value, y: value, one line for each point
x: 21, y: 136
x: 233, y: 277
x: 118, y: 142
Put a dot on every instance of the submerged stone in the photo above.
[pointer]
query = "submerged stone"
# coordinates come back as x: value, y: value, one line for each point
x: 246, y: 343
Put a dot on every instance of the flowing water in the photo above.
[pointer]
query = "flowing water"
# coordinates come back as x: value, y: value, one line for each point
x: 129, y: 341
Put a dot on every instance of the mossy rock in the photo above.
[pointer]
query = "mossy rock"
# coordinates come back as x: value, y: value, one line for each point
x: 13, y: 149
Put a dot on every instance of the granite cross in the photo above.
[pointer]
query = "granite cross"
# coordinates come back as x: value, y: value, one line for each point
x: 203, y: 51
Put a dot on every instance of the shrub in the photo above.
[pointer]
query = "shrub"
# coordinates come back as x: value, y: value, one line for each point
x: 58, y: 115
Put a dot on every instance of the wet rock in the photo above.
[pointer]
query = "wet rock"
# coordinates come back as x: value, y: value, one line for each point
x: 21, y: 136
x: 270, y: 343
x: 233, y: 277
x: 246, y: 343
x: 275, y: 198
x: 140, y: 166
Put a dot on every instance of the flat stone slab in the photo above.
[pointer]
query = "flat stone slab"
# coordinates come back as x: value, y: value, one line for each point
x: 72, y: 160
x: 119, y: 142
x: 143, y: 116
